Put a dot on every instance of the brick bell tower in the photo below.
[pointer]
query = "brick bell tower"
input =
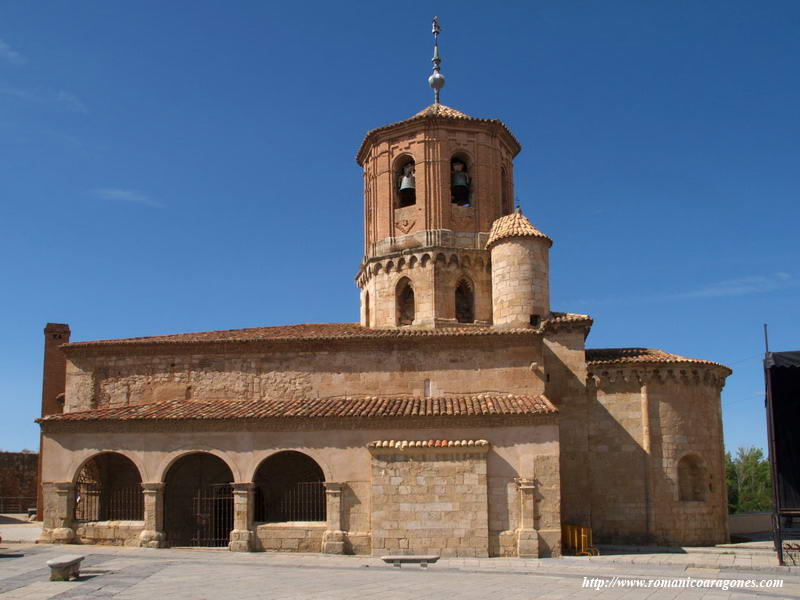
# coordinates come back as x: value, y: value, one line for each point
x: 433, y: 186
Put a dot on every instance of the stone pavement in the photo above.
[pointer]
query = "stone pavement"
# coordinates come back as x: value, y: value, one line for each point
x: 17, y: 528
x: 141, y: 573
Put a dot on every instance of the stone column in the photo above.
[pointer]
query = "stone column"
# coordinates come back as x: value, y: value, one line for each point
x: 333, y: 540
x: 59, y: 508
x: 527, y: 536
x: 242, y: 534
x: 153, y: 535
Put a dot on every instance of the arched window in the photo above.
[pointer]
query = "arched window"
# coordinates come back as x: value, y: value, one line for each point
x: 465, y: 302
x: 691, y: 479
x: 406, y: 183
x: 289, y: 487
x: 405, y: 302
x: 460, y: 180
x: 109, y: 488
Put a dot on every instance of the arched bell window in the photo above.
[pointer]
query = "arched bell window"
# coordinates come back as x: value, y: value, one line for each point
x: 460, y: 180
x: 406, y: 182
x: 405, y: 302
x: 465, y: 302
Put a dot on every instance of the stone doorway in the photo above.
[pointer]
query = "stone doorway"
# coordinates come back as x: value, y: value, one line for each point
x: 198, y: 502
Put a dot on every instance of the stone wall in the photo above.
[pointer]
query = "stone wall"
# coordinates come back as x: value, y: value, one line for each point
x: 18, y: 474
x: 517, y: 451
x: 456, y: 365
x: 434, y: 275
x: 520, y: 281
x: 564, y: 373
x: 430, y: 501
x: 109, y: 533
x: 289, y: 537
x: 642, y: 422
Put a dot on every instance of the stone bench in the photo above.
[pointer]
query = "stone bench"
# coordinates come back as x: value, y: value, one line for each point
x: 64, y: 567
x: 398, y: 561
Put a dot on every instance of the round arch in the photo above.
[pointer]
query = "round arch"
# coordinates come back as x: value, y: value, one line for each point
x: 464, y: 298
x: 108, y: 487
x: 405, y: 304
x: 404, y: 176
x: 691, y: 478
x: 198, y: 500
x: 289, y: 486
x: 461, y: 176
x: 134, y: 461
x: 179, y: 453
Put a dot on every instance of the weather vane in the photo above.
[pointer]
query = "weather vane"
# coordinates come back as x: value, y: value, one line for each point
x: 436, y: 81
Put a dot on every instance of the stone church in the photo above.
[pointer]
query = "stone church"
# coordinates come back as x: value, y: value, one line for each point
x: 461, y: 416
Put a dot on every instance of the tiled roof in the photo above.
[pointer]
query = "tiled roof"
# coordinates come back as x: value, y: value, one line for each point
x: 316, y: 331
x: 513, y: 225
x: 364, y: 407
x: 403, y: 444
x: 439, y: 111
x: 608, y: 356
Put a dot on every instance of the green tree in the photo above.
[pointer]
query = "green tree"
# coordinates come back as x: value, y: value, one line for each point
x: 749, y: 481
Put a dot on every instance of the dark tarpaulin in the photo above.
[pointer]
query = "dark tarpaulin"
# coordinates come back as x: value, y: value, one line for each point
x: 782, y: 359
x: 785, y: 391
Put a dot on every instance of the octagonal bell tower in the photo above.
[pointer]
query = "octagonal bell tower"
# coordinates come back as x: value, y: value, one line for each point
x: 433, y: 186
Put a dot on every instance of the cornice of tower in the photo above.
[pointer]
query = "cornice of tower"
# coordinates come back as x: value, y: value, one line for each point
x: 431, y: 114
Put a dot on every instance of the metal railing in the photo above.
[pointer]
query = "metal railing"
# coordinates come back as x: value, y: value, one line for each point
x: 302, y: 502
x: 93, y: 502
x: 578, y: 540
x: 16, y: 504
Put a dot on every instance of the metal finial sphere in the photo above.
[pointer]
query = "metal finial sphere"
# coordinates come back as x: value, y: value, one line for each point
x: 436, y: 81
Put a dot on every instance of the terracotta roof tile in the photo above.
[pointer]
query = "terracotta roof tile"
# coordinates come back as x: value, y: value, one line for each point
x: 610, y: 356
x: 316, y: 331
x: 361, y: 407
x: 440, y: 110
x: 407, y: 444
x: 513, y: 225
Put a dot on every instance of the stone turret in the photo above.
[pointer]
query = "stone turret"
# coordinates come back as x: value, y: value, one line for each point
x: 520, y: 272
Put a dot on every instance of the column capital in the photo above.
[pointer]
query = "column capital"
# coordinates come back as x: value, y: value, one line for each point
x: 332, y: 487
x: 152, y: 487
x: 63, y: 487
x: 525, y: 485
x: 245, y: 486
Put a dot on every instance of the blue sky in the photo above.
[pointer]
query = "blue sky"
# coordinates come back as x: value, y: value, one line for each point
x: 184, y: 166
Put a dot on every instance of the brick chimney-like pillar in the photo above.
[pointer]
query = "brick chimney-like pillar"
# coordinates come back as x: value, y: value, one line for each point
x: 54, y: 380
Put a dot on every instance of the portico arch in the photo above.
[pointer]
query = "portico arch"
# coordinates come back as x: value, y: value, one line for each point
x: 198, y: 501
x: 289, y: 486
x: 108, y: 487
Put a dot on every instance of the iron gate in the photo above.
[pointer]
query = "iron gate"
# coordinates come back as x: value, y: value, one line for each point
x: 213, y: 515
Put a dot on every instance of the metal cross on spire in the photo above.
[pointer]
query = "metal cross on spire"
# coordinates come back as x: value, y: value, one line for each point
x: 436, y: 81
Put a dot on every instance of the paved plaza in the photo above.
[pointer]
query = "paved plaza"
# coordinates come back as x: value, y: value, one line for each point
x: 141, y: 573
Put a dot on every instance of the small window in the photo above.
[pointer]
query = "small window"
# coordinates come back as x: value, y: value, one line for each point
x: 460, y: 181
x: 691, y: 479
x: 405, y: 302
x: 406, y: 183
x: 465, y: 302
x: 366, y: 309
